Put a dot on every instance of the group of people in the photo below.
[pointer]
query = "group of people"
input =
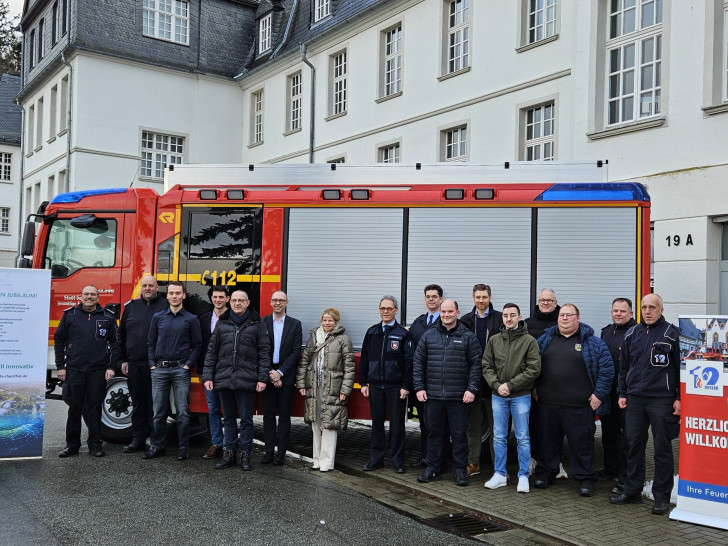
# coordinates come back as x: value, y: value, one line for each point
x: 548, y: 374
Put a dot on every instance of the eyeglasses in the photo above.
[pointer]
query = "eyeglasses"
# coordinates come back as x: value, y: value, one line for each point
x: 567, y: 315
x: 387, y: 309
x: 278, y: 301
x: 546, y: 301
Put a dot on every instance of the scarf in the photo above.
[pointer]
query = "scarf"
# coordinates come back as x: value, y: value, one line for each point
x: 320, y: 343
x: 239, y: 320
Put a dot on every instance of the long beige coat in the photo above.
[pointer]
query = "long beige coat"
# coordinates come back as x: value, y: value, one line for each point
x: 338, y: 378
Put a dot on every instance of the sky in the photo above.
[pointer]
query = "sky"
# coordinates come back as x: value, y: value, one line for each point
x: 16, y: 7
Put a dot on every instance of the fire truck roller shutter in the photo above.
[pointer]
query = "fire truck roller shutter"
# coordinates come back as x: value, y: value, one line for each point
x: 588, y: 256
x: 459, y: 247
x: 343, y: 257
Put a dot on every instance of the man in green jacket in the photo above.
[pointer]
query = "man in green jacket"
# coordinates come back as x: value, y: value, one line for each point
x: 511, y: 364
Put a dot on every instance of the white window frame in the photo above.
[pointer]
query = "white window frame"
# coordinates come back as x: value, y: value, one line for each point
x: 339, y: 70
x: 30, y: 128
x: 391, y: 70
x: 390, y: 152
x: 633, y: 56
x: 295, y: 102
x: 167, y: 20
x: 159, y: 150
x: 5, y: 218
x: 457, y: 36
x: 257, y: 111
x: 31, y: 50
x: 6, y: 166
x: 265, y: 29
x: 39, y: 125
x: 454, y: 142
x: 539, y: 132
x: 321, y: 10
x: 41, y: 27
x: 541, y: 18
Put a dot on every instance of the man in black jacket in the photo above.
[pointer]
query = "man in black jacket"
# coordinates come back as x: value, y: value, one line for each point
x: 133, y: 332
x: 545, y: 315
x: 237, y: 366
x: 483, y: 321
x: 649, y: 389
x: 447, y: 375
x: 87, y: 352
x: 285, y: 338
x: 385, y: 376
x: 613, y: 422
x: 430, y: 319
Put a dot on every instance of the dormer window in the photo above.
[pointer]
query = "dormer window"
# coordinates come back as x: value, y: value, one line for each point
x: 264, y: 33
x: 322, y: 8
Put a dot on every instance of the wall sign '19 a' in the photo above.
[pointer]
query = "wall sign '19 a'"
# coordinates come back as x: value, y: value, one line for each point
x: 227, y: 278
x: 674, y: 240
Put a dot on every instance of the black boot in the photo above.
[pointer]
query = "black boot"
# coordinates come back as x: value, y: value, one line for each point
x: 228, y: 459
x: 245, y: 460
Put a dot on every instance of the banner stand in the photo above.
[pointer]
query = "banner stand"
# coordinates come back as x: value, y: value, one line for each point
x: 702, y: 495
x: 24, y: 311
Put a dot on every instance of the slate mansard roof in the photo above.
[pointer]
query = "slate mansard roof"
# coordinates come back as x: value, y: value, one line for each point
x: 10, y: 114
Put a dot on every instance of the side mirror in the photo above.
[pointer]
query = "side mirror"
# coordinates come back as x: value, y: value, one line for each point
x: 26, y: 247
x: 25, y: 263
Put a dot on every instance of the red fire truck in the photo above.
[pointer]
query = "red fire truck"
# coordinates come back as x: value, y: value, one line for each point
x: 340, y: 235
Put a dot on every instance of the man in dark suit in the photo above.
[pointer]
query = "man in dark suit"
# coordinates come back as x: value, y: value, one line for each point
x: 208, y: 321
x: 284, y: 333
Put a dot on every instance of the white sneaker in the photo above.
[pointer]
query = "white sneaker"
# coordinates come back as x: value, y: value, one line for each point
x: 562, y: 475
x: 498, y: 480
x: 523, y: 486
x: 532, y: 467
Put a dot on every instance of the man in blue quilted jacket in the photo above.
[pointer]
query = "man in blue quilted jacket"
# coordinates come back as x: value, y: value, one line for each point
x: 575, y: 381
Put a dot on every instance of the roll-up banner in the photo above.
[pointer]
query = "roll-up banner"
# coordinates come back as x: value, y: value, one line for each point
x: 24, y: 311
x: 703, y: 485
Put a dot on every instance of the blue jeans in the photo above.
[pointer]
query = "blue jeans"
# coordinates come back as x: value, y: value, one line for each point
x: 178, y: 380
x: 215, y: 418
x: 519, y: 408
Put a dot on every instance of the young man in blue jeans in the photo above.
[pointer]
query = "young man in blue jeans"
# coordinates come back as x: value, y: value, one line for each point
x: 511, y: 364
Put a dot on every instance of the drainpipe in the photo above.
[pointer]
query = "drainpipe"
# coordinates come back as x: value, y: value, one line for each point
x: 23, y: 119
x: 313, y: 102
x: 70, y: 101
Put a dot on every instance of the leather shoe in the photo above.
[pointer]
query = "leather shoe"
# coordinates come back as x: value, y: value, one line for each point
x: 624, y: 498
x: 372, y: 466
x: 618, y: 489
x: 428, y: 476
x: 586, y: 489
x: 419, y: 464
x: 215, y: 452
x: 279, y: 461
x: 133, y: 448
x: 97, y: 452
x: 245, y: 461
x: 267, y: 458
x: 68, y: 452
x: 400, y: 469
x: 182, y: 454
x: 154, y: 452
x: 542, y: 482
x: 660, y: 508
x: 461, y: 479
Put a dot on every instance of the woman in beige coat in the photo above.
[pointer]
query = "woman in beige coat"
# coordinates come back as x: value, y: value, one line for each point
x: 326, y: 379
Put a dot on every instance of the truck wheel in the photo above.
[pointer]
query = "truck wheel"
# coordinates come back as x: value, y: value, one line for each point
x: 116, y: 412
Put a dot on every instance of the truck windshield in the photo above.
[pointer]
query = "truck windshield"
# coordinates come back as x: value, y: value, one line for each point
x: 72, y: 248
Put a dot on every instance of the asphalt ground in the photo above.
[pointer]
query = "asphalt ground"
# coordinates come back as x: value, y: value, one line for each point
x: 558, y: 513
x: 122, y: 499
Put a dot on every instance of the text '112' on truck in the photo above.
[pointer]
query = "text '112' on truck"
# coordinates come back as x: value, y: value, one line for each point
x: 342, y: 235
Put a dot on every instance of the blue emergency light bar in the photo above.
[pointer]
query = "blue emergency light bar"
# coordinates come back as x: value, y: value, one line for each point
x: 626, y: 191
x: 76, y: 196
